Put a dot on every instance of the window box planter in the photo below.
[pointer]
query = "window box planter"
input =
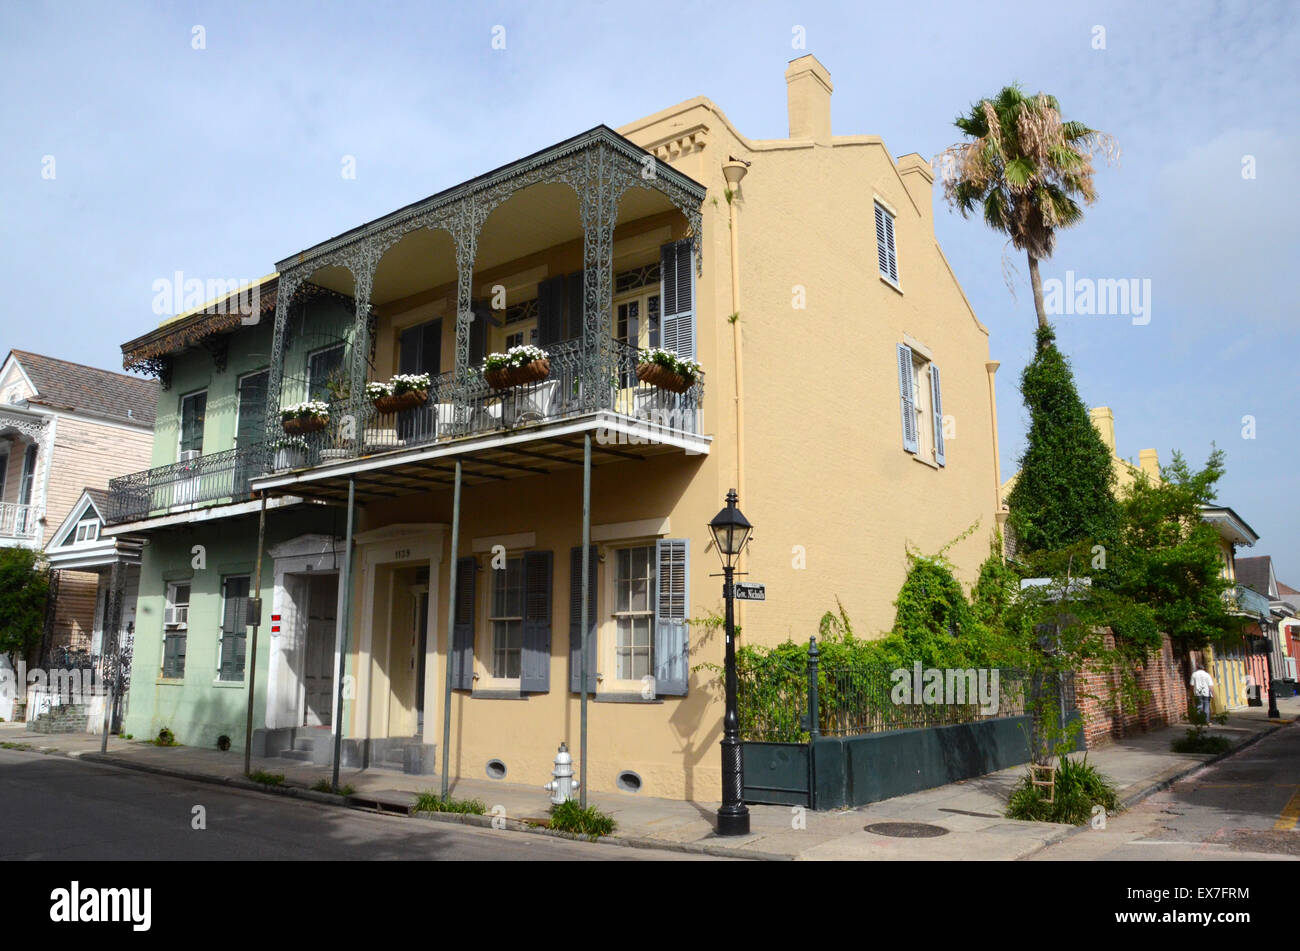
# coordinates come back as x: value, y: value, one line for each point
x: 530, y: 372
x: 657, y: 375
x: 400, y: 402
x: 301, y: 425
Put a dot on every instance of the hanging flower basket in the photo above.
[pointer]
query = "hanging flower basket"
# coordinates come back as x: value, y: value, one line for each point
x: 516, y: 367
x: 662, y: 377
x: 310, y: 417
x: 404, y: 391
x: 400, y: 402
x: 506, y: 377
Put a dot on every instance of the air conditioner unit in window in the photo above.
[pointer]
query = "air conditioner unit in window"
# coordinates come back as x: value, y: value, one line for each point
x: 176, y: 615
x: 187, y: 490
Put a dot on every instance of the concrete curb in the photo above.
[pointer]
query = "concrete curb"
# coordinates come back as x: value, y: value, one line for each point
x: 1151, y: 788
x: 512, y: 825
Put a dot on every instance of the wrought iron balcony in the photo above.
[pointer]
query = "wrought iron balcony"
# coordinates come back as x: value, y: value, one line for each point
x: 573, y: 388
x: 219, y: 477
x: 18, y: 521
x: 581, y: 383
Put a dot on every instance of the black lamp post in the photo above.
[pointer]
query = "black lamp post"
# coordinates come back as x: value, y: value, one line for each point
x: 731, y: 531
x: 1268, y: 660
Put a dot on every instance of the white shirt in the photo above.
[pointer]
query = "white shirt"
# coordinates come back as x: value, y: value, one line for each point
x: 1202, y: 683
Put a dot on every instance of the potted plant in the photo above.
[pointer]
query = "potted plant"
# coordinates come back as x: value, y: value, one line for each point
x: 517, y: 366
x: 666, y: 370
x: 301, y: 418
x: 290, y: 453
x: 402, y: 392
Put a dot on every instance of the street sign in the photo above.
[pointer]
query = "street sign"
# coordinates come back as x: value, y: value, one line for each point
x: 750, y: 591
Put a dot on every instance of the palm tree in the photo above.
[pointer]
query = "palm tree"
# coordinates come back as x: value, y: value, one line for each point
x: 1025, y: 166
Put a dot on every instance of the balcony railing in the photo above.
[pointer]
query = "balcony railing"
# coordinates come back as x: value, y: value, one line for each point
x: 579, y: 384
x: 18, y: 521
x: 221, y: 476
x: 571, y: 389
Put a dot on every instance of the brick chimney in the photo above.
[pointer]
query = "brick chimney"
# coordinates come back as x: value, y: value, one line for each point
x: 808, y: 98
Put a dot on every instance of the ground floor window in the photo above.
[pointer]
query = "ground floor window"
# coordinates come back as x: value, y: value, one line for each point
x: 634, y: 587
x: 506, y: 618
x: 234, y: 627
x: 176, y: 618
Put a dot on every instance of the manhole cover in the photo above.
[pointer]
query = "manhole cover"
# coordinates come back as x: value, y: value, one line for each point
x: 906, y: 830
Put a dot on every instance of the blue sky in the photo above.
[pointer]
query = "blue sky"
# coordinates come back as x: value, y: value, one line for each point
x: 220, y: 161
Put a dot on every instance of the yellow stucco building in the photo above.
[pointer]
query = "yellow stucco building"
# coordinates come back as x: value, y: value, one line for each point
x: 846, y: 393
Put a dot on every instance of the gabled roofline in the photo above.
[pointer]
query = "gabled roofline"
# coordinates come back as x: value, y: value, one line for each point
x: 601, y: 134
x: 70, y: 520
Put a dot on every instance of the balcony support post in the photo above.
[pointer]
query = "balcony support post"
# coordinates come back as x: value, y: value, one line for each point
x: 465, y: 228
x: 362, y: 263
x: 452, y: 558
x: 606, y: 180
x: 342, y: 628
x: 286, y: 287
x: 110, y: 647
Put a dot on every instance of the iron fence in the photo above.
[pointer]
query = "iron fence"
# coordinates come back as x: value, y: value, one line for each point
x: 791, y: 700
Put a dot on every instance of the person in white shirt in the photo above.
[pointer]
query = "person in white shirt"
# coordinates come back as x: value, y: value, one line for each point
x: 1203, y: 687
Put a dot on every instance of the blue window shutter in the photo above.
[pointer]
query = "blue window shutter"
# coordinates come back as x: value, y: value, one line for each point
x: 937, y: 402
x: 535, y: 667
x: 677, y: 298
x: 905, y: 398
x: 575, y: 620
x: 550, y: 311
x: 886, y: 253
x: 462, y: 631
x: 672, y: 603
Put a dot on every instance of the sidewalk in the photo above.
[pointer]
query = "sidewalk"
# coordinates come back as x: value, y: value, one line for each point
x: 971, y: 812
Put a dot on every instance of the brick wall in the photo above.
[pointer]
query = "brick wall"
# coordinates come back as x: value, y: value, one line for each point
x: 1161, y: 678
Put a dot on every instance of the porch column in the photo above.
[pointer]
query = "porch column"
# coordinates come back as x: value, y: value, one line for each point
x: 109, y: 659
x: 342, y: 625
x: 464, y: 230
x: 285, y: 290
x: 451, y: 627
x: 362, y: 265
x: 598, y: 206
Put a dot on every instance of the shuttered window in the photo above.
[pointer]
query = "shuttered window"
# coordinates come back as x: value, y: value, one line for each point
x: 672, y: 604
x: 677, y: 298
x: 420, y: 349
x: 907, y: 397
x: 322, y: 367
x: 175, y: 622
x: 234, y: 627
x: 885, y: 250
x: 462, y: 630
x: 575, y: 619
x: 535, y: 662
x: 936, y: 401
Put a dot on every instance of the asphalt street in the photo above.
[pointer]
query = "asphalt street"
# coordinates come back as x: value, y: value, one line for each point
x: 53, y: 807
x: 1244, y: 807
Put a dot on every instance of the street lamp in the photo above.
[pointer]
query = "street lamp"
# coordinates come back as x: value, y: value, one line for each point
x: 1268, y: 659
x: 731, y: 530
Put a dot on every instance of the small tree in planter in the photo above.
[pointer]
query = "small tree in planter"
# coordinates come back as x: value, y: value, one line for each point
x: 666, y: 370
x: 516, y: 367
x: 309, y: 417
x: 402, y: 392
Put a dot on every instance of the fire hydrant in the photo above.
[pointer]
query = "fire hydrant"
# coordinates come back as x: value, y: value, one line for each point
x: 562, y: 785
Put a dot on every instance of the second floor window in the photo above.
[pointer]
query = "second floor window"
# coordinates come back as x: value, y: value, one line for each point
x: 322, y: 367
x: 886, y: 253
x: 194, y: 410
